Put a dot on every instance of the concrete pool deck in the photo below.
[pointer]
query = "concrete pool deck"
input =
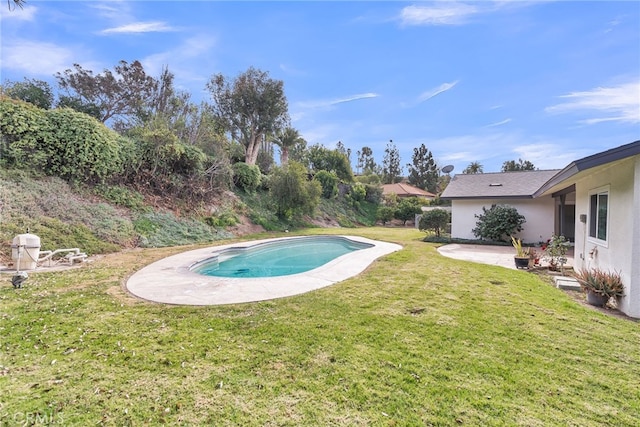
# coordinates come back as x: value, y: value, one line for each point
x: 487, y: 254
x: 170, y: 280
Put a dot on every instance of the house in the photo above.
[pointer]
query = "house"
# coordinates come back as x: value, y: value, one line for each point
x: 402, y: 189
x: 469, y: 193
x: 595, y: 202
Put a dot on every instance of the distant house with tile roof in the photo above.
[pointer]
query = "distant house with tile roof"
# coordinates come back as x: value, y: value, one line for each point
x: 402, y: 189
x: 594, y: 201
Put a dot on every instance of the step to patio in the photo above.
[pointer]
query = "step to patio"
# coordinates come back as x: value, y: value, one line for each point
x: 564, y: 282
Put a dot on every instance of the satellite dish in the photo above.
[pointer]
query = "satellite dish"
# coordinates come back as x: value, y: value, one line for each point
x: 447, y: 168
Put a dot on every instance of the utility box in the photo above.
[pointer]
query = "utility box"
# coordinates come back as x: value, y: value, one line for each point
x: 25, y: 250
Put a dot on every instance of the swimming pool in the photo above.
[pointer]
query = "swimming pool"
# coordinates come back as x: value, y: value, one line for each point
x: 277, y: 258
x: 172, y: 280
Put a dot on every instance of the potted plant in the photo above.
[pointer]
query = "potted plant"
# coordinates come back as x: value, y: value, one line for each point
x: 522, y: 254
x: 555, y: 251
x: 600, y: 285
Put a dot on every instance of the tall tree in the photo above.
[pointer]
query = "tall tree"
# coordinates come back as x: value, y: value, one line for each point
x: 251, y: 107
x: 344, y: 150
x: 286, y: 139
x: 391, y: 168
x: 473, y: 168
x: 520, y: 165
x: 423, y: 171
x: 118, y: 95
x: 366, y: 161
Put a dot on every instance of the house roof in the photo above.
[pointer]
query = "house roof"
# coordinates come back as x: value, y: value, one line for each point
x: 590, y: 162
x: 403, y: 189
x: 501, y: 185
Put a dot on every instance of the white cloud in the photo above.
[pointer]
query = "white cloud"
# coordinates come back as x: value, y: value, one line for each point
x: 37, y: 58
x: 325, y: 103
x: 181, y: 60
x: 27, y: 13
x: 612, y: 104
x: 139, y: 27
x: 436, y: 91
x: 500, y: 123
x: 442, y: 13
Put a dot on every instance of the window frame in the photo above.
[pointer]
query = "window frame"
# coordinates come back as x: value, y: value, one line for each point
x: 593, y: 215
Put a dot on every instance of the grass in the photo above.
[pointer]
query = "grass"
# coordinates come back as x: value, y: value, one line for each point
x: 417, y: 339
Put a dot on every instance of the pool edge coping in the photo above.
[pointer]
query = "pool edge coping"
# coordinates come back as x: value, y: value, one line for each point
x: 166, y: 281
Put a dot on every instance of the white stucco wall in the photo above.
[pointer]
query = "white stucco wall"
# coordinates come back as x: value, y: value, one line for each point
x: 621, y: 252
x: 539, y: 214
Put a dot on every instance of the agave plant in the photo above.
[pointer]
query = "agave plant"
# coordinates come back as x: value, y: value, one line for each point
x: 605, y: 283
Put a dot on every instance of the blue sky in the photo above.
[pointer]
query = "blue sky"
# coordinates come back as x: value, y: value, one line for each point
x: 485, y: 81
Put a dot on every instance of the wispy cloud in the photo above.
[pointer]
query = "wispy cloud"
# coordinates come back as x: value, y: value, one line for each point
x: 139, y: 27
x: 37, y: 58
x: 325, y: 103
x: 500, y: 123
x: 436, y: 91
x: 619, y: 103
x: 182, y: 59
x: 354, y: 98
x: 441, y: 13
x: 26, y: 13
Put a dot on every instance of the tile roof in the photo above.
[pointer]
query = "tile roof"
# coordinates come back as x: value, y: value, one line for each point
x: 523, y: 184
x: 403, y: 189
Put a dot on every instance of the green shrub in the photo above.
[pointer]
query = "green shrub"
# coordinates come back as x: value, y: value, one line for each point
x: 293, y: 194
x: 408, y: 208
x: 24, y: 130
x: 329, y: 182
x: 498, y: 223
x: 434, y: 220
x: 81, y: 148
x: 357, y: 193
x: 246, y: 177
x: 122, y: 196
x: 373, y: 193
x: 385, y: 214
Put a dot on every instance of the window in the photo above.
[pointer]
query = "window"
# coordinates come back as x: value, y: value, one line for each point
x: 598, y: 214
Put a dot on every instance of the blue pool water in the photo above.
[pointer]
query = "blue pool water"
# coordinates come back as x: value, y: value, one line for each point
x: 277, y: 258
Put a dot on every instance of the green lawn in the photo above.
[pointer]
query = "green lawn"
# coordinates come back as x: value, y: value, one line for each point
x: 417, y: 339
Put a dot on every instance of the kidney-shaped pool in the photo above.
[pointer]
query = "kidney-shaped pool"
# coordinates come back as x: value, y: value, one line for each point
x: 255, y: 271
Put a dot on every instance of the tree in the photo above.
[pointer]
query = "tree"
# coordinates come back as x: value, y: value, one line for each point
x: 286, y: 139
x: 408, y: 208
x: 291, y: 191
x: 473, y: 168
x: 498, y: 223
x: 36, y: 92
x: 385, y: 214
x: 423, y: 171
x: 344, y: 150
x: 119, y: 95
x: 322, y: 158
x: 251, y: 107
x: 434, y: 220
x: 520, y: 165
x: 366, y: 161
x: 391, y: 169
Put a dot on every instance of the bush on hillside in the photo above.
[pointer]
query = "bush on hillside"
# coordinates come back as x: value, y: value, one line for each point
x: 329, y: 182
x: 246, y: 177
x: 25, y: 129
x: 291, y: 192
x: 81, y: 148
